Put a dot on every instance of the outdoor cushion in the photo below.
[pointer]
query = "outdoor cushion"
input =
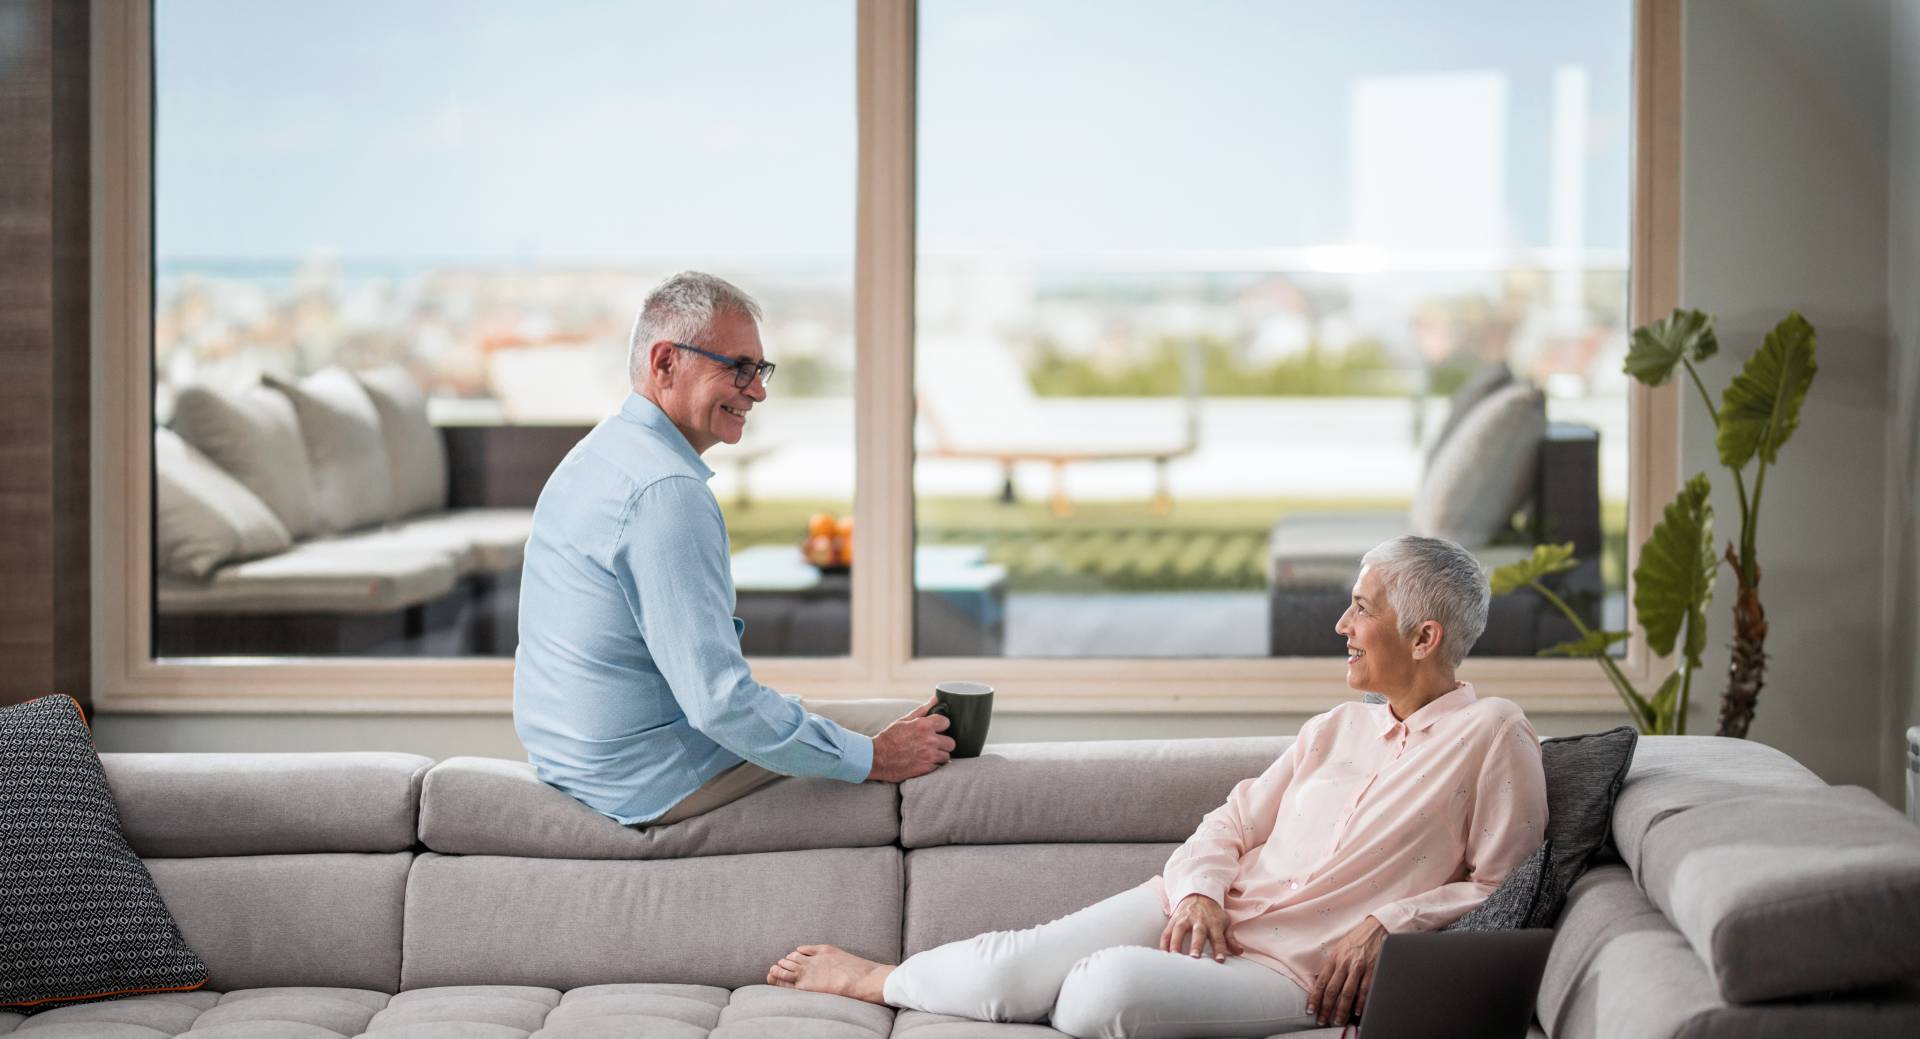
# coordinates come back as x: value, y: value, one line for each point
x: 290, y: 919
x: 1671, y: 774
x: 345, y: 448
x: 1487, y: 378
x: 1791, y: 893
x: 958, y: 892
x: 176, y: 805
x: 495, y: 540
x: 316, y: 577
x: 1483, y: 472
x: 202, y: 516
x: 253, y: 434
x: 416, y: 453
x: 80, y: 916
x: 489, y: 806
x: 1324, y: 548
x: 1115, y: 791
x: 720, y: 920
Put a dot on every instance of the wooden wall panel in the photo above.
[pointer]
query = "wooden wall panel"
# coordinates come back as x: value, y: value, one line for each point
x: 44, y: 370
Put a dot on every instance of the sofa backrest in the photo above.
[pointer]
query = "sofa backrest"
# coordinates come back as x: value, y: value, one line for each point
x: 281, y: 869
x: 1029, y: 832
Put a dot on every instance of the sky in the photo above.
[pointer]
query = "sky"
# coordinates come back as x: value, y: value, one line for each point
x: 589, y: 131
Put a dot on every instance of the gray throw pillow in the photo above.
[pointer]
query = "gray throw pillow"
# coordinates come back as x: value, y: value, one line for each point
x: 203, y: 517
x: 253, y: 434
x: 345, y: 447
x: 1584, y: 774
x: 1484, y: 472
x: 82, y: 917
x: 1487, y: 378
x: 1526, y: 898
x: 416, y: 455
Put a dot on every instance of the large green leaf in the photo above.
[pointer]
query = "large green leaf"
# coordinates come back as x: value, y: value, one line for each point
x: 1665, y: 705
x: 1657, y: 349
x: 1546, y: 559
x: 1761, y: 408
x: 1674, y: 581
x: 1592, y: 644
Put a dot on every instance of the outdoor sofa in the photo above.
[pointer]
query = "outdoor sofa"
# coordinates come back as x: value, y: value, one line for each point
x: 382, y: 894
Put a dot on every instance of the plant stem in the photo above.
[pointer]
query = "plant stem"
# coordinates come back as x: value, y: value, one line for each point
x: 1705, y: 398
x: 1636, y: 704
x: 1749, y: 530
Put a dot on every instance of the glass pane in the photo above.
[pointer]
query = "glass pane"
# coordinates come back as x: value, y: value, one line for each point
x: 1205, y: 314
x: 470, y: 200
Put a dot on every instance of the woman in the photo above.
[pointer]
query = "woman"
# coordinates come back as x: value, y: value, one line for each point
x: 1380, y: 818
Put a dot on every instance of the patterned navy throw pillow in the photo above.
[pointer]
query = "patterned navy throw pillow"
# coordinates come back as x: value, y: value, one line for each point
x: 79, y: 916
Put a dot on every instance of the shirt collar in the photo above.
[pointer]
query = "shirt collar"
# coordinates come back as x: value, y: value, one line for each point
x: 1423, y: 719
x: 647, y: 414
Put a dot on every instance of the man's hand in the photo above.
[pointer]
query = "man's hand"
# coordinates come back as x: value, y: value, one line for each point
x: 1197, y: 922
x: 1340, y: 992
x: 911, y: 746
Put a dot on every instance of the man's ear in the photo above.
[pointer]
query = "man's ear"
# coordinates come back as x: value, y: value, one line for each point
x: 660, y: 362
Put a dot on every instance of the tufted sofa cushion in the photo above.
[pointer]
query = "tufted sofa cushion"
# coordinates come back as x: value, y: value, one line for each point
x: 490, y: 806
x: 1116, y: 791
x: 469, y: 1012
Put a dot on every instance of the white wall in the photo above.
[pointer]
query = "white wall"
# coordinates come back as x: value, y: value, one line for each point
x: 1902, y: 608
x: 1784, y: 206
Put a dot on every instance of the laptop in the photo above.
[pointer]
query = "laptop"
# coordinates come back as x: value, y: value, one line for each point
x: 1449, y: 984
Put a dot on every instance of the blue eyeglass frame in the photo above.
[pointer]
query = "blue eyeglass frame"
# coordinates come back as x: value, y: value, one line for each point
x: 744, y: 371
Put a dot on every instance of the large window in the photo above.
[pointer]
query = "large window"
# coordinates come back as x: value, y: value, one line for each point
x: 1131, y: 340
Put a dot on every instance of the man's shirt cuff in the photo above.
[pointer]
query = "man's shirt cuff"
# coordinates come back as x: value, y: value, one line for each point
x: 857, y: 762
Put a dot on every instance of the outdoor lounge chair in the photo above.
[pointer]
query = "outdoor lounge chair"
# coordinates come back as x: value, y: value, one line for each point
x: 977, y: 405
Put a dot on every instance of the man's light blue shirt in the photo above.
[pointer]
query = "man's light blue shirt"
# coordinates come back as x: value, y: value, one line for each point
x: 629, y: 688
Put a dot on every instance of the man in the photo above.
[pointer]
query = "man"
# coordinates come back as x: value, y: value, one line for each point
x: 629, y: 689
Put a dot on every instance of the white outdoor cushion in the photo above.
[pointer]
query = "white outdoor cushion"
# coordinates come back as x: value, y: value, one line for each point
x: 475, y: 541
x: 253, y: 434
x: 348, y: 452
x: 203, y: 516
x: 416, y: 456
x: 1482, y: 474
x: 316, y: 577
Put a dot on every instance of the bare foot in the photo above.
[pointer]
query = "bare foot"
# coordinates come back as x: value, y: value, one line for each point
x: 825, y: 968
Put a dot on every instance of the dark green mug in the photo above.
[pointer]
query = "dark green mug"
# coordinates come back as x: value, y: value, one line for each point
x: 968, y: 707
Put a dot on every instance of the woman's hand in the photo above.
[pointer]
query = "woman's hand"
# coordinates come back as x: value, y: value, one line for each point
x: 1197, y: 922
x: 1340, y: 992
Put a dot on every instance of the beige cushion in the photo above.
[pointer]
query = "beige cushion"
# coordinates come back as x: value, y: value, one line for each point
x: 205, y: 517
x: 416, y: 455
x: 1484, y: 471
x: 315, y: 577
x: 1104, y: 791
x: 487, y: 806
x: 253, y: 434
x: 345, y: 447
x: 495, y: 539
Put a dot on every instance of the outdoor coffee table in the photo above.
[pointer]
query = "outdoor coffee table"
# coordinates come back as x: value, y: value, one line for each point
x: 792, y: 608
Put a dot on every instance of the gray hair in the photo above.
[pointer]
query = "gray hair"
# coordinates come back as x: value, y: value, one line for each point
x: 681, y: 309
x: 1433, y: 579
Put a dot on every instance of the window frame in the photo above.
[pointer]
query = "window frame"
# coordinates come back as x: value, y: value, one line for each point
x: 128, y: 679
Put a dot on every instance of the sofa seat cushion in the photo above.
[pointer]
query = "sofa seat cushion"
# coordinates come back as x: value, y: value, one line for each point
x: 1105, y: 791
x: 481, y: 541
x: 656, y: 1011
x: 1318, y: 549
x: 174, y: 805
x: 1791, y: 893
x: 490, y: 806
x: 333, y: 576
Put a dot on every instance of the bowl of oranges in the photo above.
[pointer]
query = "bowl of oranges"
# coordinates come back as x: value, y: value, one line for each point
x: 829, y: 543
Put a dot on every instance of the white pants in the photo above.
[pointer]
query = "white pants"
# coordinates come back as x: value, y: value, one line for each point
x: 1098, y: 973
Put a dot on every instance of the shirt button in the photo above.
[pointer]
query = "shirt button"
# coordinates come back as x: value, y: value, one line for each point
x: 1293, y: 885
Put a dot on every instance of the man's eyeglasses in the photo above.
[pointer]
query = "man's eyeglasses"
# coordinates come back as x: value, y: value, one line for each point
x: 744, y: 371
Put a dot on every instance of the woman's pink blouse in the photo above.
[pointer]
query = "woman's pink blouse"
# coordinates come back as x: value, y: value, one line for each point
x: 1413, y: 822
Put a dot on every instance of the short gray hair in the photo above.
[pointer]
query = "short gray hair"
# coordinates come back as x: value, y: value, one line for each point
x: 681, y: 309
x: 1433, y: 579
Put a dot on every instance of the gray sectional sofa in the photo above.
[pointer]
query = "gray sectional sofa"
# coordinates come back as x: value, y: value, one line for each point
x: 385, y: 895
